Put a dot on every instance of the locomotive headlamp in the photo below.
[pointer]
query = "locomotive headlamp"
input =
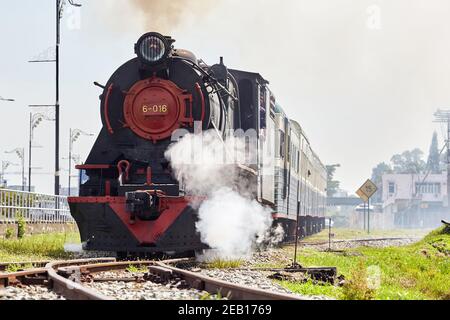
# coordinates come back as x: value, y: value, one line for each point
x: 153, y: 48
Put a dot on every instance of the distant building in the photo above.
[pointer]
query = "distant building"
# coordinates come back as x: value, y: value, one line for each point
x: 416, y: 200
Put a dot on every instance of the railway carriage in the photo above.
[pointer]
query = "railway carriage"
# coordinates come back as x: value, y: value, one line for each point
x: 300, y: 180
x: 130, y: 201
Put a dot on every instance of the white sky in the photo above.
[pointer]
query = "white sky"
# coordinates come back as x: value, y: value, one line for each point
x: 363, y: 88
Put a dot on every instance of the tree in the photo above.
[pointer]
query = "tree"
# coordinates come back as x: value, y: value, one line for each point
x: 377, y: 177
x: 433, y: 163
x: 409, y: 162
x: 332, y: 185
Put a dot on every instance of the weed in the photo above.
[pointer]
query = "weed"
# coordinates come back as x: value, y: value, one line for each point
x: 223, y: 264
x: 209, y: 296
x: 9, y: 234
x: 21, y: 227
x: 137, y: 269
x: 356, y: 287
x: 18, y: 267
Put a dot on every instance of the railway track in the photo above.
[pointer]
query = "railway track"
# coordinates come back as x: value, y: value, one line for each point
x: 312, y: 243
x: 19, y: 266
x: 79, y: 279
x: 91, y: 279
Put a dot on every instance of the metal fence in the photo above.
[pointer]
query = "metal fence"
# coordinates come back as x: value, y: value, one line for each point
x: 33, y: 207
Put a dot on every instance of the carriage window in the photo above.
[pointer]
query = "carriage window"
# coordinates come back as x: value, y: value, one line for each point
x: 288, y: 151
x: 282, y: 145
x: 262, y: 108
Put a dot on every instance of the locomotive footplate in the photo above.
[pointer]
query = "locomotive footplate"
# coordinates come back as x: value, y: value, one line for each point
x: 104, y: 224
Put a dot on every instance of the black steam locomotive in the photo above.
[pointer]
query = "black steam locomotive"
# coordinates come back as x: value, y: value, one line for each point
x: 129, y: 200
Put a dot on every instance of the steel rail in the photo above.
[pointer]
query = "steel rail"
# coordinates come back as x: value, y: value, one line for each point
x: 7, y: 279
x: 227, y: 289
x: 122, y: 265
x: 195, y: 280
x: 35, y: 264
x: 69, y: 289
x: 358, y: 240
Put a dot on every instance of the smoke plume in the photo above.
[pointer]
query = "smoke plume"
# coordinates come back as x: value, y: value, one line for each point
x: 231, y: 224
x: 164, y: 15
x: 230, y: 221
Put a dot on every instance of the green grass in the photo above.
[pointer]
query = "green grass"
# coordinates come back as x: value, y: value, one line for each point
x: 223, y: 264
x: 208, y: 296
x: 137, y: 269
x: 36, y: 247
x: 311, y: 289
x: 16, y: 267
x: 417, y: 271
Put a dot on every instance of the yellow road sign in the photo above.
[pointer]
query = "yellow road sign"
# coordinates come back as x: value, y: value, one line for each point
x: 362, y: 195
x: 367, y: 190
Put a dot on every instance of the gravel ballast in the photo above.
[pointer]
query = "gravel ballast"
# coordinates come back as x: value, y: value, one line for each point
x: 28, y: 293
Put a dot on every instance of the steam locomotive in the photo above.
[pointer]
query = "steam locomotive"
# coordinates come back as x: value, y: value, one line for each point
x: 130, y: 201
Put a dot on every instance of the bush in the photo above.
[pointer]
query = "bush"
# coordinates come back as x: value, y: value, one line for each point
x: 21, y: 227
x: 9, y: 233
x: 357, y: 288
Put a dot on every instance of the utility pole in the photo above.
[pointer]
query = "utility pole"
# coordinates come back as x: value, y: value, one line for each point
x: 30, y: 142
x: 59, y: 14
x: 329, y: 234
x: 443, y: 116
x: 294, y: 264
x: 57, y: 106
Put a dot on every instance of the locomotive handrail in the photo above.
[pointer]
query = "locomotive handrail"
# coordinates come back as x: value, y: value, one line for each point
x: 202, y: 98
x: 124, y: 164
x: 216, y: 82
x: 108, y: 95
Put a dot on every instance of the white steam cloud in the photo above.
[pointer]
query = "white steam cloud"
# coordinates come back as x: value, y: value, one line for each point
x: 231, y: 224
x: 230, y: 221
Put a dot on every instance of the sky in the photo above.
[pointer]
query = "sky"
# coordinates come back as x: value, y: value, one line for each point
x: 363, y: 77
